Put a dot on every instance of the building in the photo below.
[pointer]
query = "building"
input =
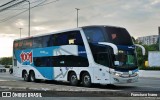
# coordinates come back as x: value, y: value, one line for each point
x: 148, y: 40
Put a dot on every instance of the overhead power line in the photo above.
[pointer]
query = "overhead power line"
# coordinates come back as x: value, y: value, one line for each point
x: 40, y: 4
x: 31, y: 4
x: 8, y: 3
x: 18, y: 3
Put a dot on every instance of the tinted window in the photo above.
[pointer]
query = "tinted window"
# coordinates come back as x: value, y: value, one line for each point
x: 119, y: 36
x: 37, y: 42
x: 94, y: 35
x: 61, y: 39
x: 47, y: 41
x: 61, y: 61
x: 68, y: 38
x: 70, y: 61
x: 101, y: 54
x: 27, y: 44
x: 15, y: 45
x: 42, y: 61
x: 23, y: 44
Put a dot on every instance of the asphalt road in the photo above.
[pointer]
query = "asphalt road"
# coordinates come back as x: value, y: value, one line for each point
x: 145, y: 85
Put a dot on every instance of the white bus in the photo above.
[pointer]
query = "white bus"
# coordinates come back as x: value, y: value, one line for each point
x: 86, y: 55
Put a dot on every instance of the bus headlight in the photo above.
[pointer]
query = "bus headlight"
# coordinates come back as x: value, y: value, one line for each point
x: 118, y: 74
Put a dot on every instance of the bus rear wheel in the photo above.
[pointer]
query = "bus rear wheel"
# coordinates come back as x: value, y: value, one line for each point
x: 25, y: 76
x: 32, y: 77
x: 86, y: 80
x: 73, y: 79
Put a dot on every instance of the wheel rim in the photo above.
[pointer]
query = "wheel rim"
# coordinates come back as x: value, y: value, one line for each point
x: 25, y: 77
x: 32, y: 78
x: 86, y: 79
x: 73, y: 78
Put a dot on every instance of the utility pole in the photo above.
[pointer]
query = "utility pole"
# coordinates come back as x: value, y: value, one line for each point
x: 14, y: 3
x: 29, y: 17
x: 77, y: 15
x: 159, y: 37
x: 20, y: 31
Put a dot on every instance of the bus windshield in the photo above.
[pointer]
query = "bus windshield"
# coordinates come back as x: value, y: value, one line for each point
x: 127, y: 59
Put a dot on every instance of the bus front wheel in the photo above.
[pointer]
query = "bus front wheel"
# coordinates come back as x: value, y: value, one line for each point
x: 86, y: 80
x: 73, y: 79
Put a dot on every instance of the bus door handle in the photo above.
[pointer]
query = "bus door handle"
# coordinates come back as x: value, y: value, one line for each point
x: 100, y: 69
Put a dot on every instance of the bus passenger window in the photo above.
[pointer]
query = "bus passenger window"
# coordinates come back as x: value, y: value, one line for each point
x: 47, y: 41
x: 37, y: 42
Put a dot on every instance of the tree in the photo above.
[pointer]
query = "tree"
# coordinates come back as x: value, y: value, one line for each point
x: 141, y: 58
x: 6, y: 61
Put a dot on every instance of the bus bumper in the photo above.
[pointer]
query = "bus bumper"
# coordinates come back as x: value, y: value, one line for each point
x: 121, y: 80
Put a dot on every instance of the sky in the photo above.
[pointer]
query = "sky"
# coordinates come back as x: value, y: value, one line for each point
x: 139, y: 17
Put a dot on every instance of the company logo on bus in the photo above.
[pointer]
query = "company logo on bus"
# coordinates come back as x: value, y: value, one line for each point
x: 26, y: 56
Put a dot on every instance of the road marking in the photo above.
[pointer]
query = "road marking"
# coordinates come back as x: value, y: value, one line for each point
x: 6, y: 80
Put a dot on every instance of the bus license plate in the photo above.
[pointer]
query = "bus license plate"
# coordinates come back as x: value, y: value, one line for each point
x: 129, y: 81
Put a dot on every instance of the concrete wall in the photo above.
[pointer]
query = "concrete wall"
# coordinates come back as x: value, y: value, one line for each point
x: 148, y: 73
x: 154, y: 58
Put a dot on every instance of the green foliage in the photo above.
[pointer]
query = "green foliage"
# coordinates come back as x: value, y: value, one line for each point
x: 141, y: 58
x: 6, y: 66
x: 149, y: 68
x: 6, y: 61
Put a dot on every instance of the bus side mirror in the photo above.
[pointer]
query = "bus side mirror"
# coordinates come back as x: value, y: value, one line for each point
x: 114, y: 47
x: 143, y: 49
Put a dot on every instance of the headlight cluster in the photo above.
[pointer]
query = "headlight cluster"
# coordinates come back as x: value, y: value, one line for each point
x: 119, y: 74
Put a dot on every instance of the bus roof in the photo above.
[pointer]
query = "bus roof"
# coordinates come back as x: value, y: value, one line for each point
x: 72, y: 29
x: 44, y: 34
x: 101, y: 26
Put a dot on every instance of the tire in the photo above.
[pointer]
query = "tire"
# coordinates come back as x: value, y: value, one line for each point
x: 86, y: 80
x: 25, y: 76
x: 11, y: 71
x: 73, y: 79
x: 32, y: 77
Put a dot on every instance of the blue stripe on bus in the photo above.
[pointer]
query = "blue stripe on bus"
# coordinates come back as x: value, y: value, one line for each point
x: 120, y: 47
x: 41, y: 52
x: 126, y: 70
x: 82, y: 51
x: 46, y: 72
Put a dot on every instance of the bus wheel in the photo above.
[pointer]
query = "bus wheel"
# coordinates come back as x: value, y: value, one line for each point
x: 73, y: 79
x: 32, y: 76
x: 25, y: 76
x: 86, y: 80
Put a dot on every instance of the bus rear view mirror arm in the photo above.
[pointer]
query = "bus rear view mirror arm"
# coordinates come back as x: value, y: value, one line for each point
x: 115, y: 49
x: 143, y: 49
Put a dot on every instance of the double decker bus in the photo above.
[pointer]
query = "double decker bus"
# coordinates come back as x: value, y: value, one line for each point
x: 90, y: 54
